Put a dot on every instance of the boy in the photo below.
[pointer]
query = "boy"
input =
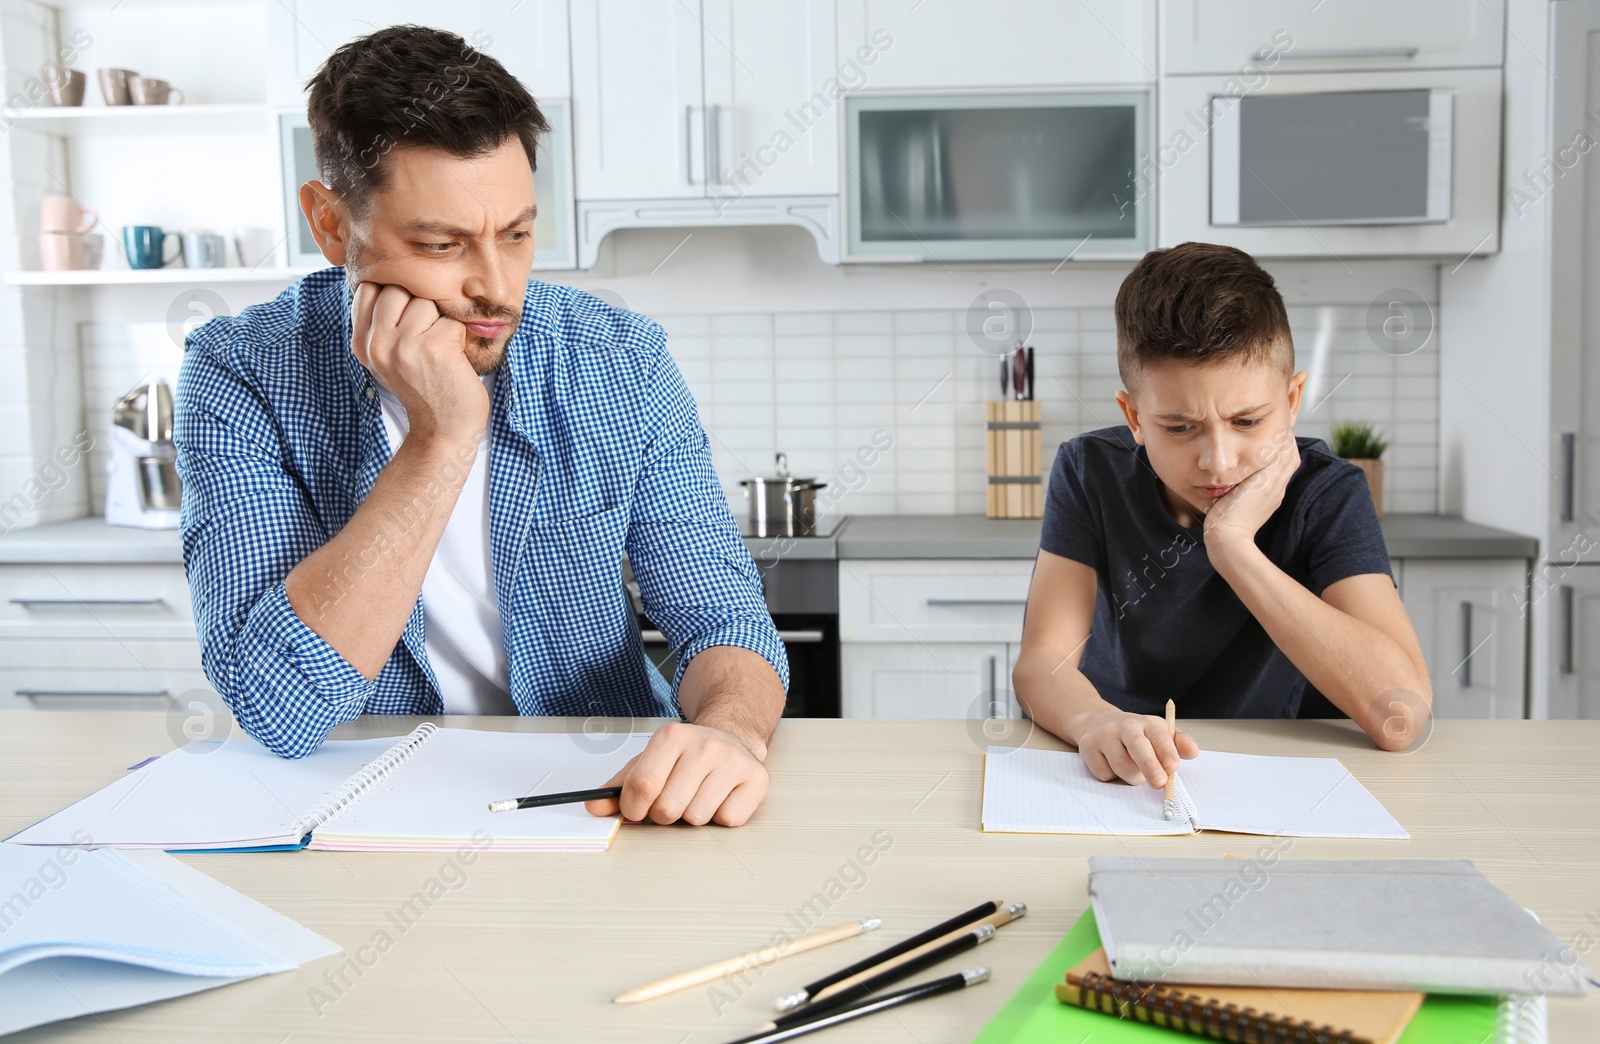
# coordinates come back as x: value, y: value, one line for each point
x: 1203, y: 552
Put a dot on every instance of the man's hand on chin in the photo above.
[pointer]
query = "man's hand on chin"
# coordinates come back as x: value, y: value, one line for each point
x: 695, y: 773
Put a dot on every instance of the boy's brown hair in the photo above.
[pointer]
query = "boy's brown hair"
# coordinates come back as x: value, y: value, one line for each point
x: 1199, y: 303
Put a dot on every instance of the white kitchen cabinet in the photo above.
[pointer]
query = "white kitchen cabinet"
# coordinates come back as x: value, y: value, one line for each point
x: 772, y: 107
x: 923, y: 679
x: 947, y: 44
x: 638, y: 101
x: 933, y: 600
x: 528, y: 38
x: 1468, y: 614
x: 1215, y: 37
x: 719, y: 99
x: 1575, y: 644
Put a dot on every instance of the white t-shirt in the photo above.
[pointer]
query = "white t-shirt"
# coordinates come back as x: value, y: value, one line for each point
x: 461, y: 616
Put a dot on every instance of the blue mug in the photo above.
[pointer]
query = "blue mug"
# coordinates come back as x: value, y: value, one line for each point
x: 146, y: 246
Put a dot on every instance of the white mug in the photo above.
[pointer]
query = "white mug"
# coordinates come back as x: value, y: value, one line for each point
x: 256, y: 246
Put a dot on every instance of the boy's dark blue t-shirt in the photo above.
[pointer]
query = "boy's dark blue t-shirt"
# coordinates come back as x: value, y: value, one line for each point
x: 1166, y: 625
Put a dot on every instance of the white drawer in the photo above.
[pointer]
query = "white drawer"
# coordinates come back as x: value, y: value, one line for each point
x: 64, y: 674
x: 933, y: 600
x: 62, y: 600
x: 907, y: 680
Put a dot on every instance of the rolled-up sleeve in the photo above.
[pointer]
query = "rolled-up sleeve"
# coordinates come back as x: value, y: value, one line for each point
x: 697, y: 581
x: 246, y: 521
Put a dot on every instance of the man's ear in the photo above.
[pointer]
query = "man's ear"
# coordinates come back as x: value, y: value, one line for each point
x: 1297, y: 387
x: 1130, y: 413
x: 329, y: 219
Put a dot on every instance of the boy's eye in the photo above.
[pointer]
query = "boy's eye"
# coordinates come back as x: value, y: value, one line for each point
x: 1179, y: 429
x: 1247, y: 423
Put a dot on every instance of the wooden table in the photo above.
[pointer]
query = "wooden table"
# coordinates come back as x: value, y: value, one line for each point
x: 532, y: 947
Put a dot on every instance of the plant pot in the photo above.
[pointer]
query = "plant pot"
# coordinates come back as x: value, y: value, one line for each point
x: 1372, y: 467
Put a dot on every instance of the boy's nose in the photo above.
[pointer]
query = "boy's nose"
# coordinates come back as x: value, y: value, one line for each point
x: 1218, y: 457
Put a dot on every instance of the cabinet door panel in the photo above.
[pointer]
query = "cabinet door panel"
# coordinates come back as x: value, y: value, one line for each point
x: 1575, y: 644
x: 638, y: 99
x: 1468, y: 616
x: 935, y: 600
x: 934, y: 680
x: 772, y: 98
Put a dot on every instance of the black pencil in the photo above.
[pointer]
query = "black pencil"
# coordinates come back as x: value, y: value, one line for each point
x: 805, y: 993
x: 867, y: 987
x: 920, y: 991
x: 567, y: 798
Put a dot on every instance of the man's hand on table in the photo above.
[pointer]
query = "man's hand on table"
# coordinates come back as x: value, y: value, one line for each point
x: 696, y: 773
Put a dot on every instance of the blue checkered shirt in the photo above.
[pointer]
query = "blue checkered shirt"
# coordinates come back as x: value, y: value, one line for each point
x: 596, y: 449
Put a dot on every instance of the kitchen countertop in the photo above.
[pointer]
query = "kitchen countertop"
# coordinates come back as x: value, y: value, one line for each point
x: 860, y: 536
x: 972, y: 536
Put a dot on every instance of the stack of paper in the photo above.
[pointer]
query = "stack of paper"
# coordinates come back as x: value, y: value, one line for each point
x: 90, y: 931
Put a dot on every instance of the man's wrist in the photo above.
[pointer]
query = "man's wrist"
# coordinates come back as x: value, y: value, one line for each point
x: 749, y: 738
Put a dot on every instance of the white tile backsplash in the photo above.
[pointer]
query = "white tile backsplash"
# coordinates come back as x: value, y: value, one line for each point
x: 818, y: 385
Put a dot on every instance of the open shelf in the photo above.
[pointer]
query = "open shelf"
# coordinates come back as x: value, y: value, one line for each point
x: 155, y: 276
x: 73, y: 121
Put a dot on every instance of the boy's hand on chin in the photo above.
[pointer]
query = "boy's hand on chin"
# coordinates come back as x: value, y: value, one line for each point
x: 1134, y: 748
x: 1245, y: 508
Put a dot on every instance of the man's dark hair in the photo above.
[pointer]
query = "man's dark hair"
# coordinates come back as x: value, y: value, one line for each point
x: 409, y: 85
x: 1199, y: 303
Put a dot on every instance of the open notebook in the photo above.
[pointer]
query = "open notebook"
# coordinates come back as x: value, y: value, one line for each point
x: 1052, y: 792
x: 90, y: 931
x: 428, y: 790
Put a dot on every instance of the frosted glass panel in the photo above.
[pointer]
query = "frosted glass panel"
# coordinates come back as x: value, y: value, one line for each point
x: 1023, y: 173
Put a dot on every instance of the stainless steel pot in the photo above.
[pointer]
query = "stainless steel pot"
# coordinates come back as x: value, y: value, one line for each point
x: 781, y: 505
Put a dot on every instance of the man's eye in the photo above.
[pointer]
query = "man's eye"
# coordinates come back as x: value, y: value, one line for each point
x: 518, y: 237
x: 437, y: 248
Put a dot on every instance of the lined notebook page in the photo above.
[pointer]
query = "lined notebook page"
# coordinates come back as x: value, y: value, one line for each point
x: 1300, y: 797
x: 207, y: 794
x: 1052, y: 792
x: 439, y: 796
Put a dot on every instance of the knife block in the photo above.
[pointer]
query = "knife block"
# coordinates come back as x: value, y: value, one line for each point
x: 1015, y: 454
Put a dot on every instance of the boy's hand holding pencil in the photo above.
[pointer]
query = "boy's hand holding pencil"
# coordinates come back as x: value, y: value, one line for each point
x: 1139, y: 749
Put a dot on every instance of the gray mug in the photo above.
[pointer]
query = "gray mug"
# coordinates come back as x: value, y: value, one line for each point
x: 203, y: 249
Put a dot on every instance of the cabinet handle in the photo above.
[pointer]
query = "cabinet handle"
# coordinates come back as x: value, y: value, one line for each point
x: 1337, y: 52
x: 994, y: 690
x: 142, y: 693
x: 1465, y: 680
x: 688, y: 143
x: 806, y: 636
x: 1569, y: 624
x: 714, y: 131
x: 947, y: 603
x: 87, y: 601
x: 1569, y: 476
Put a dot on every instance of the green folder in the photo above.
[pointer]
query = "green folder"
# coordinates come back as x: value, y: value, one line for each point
x: 1034, y: 1014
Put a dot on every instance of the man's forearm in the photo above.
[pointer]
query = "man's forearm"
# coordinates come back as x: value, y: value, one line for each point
x: 736, y: 690
x: 357, y: 591
x: 1348, y: 660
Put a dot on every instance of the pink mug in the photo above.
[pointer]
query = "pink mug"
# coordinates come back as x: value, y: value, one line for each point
x: 65, y: 214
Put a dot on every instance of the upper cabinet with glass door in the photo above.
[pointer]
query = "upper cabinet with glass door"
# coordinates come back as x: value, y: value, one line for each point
x: 990, y: 176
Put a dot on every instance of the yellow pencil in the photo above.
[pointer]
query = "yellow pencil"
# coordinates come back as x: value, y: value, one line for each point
x: 758, y: 958
x: 1169, y: 797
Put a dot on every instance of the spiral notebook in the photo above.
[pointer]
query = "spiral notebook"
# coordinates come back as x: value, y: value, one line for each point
x: 427, y: 791
x: 1027, y: 791
x: 1035, y: 1014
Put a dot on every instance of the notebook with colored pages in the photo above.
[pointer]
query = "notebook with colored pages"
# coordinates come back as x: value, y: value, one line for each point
x: 1033, y: 1015
x: 1029, y: 791
x: 426, y: 791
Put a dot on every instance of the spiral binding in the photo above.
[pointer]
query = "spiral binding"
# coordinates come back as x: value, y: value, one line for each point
x: 1181, y: 798
x: 1522, y: 1020
x: 373, y: 772
x: 1170, y: 1008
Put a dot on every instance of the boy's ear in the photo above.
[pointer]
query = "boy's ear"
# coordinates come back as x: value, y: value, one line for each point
x: 1297, y: 387
x: 1130, y: 413
x: 329, y: 219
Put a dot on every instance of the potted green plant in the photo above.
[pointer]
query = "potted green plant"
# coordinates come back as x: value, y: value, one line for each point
x: 1360, y: 444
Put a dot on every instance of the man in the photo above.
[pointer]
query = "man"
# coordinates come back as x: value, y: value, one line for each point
x: 409, y: 481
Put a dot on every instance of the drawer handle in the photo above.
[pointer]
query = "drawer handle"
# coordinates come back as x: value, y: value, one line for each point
x: 87, y: 601
x: 802, y: 637
x: 1338, y: 52
x: 1466, y: 645
x: 1569, y: 625
x: 1569, y: 476
x: 949, y: 603
x: 143, y: 694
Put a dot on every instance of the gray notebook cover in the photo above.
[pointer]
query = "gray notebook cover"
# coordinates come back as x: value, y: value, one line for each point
x: 1436, y: 925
